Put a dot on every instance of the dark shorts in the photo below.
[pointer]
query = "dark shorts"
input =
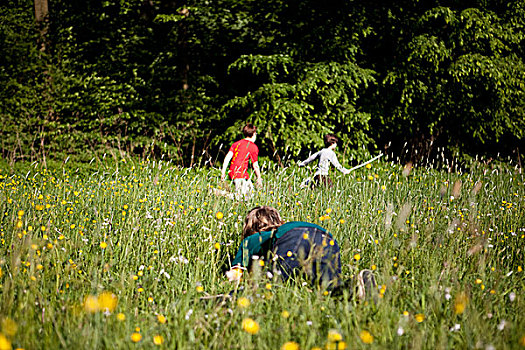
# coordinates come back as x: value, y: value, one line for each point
x: 309, y: 252
x: 322, y: 180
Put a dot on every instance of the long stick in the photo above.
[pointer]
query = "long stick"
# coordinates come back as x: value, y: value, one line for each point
x: 365, y: 163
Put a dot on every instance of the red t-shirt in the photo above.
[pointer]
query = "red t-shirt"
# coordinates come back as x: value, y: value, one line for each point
x: 243, y: 151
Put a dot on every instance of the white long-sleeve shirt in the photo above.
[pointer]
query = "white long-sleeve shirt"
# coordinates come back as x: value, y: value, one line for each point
x: 326, y: 156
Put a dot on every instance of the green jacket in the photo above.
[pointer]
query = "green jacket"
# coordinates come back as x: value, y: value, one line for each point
x: 262, y: 242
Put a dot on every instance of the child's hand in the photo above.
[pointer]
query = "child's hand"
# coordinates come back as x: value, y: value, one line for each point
x: 234, y: 274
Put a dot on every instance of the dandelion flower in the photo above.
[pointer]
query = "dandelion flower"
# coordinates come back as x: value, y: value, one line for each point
x: 366, y: 337
x: 460, y: 304
x: 9, y: 327
x: 219, y: 215
x: 334, y: 336
x: 161, y: 318
x: 290, y: 345
x: 136, y: 337
x: 107, y: 301
x: 357, y: 257
x: 103, y: 245
x: 285, y: 314
x: 5, y: 344
x: 199, y: 289
x: 121, y: 316
x: 91, y: 304
x: 243, y: 302
x: 250, y: 326
x: 158, y: 340
x: 419, y: 317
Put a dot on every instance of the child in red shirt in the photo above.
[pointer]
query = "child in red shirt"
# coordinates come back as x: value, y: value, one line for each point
x: 240, y: 153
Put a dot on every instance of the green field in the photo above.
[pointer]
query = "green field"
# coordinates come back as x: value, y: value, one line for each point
x: 120, y: 257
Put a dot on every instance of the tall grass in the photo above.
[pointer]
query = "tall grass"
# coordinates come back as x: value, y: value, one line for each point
x: 447, y: 249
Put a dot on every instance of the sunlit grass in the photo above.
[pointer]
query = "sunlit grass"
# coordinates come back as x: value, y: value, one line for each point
x: 120, y: 257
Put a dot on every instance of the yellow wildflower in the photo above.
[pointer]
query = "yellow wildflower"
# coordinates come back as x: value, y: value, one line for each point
x: 107, y: 301
x: 136, y: 337
x: 5, y: 344
x: 419, y: 317
x: 290, y: 345
x: 243, y: 302
x: 158, y: 340
x: 91, y: 304
x: 460, y: 304
x: 366, y: 337
x: 9, y: 327
x: 334, y: 336
x: 250, y: 326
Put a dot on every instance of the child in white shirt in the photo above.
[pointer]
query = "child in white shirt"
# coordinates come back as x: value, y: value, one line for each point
x: 325, y: 156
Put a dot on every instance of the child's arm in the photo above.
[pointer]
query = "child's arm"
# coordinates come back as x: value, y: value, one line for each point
x: 249, y: 247
x: 309, y: 159
x: 235, y: 273
x: 257, y: 171
x: 225, y: 164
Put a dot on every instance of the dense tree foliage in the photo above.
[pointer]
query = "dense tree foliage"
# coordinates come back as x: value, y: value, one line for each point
x: 178, y: 79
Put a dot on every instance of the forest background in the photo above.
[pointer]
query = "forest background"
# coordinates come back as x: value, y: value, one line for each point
x: 177, y: 79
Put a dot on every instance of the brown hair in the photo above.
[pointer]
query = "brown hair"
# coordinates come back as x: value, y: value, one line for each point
x: 248, y: 130
x: 330, y: 139
x: 259, y: 219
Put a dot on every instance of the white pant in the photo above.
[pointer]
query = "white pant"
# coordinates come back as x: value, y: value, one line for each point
x: 243, y: 188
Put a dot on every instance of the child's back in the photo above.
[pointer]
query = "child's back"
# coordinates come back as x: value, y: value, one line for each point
x: 325, y: 156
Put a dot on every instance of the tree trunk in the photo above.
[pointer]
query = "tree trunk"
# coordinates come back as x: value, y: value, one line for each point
x: 42, y: 19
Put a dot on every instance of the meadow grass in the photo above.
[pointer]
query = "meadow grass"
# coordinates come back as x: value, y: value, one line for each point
x: 120, y: 257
